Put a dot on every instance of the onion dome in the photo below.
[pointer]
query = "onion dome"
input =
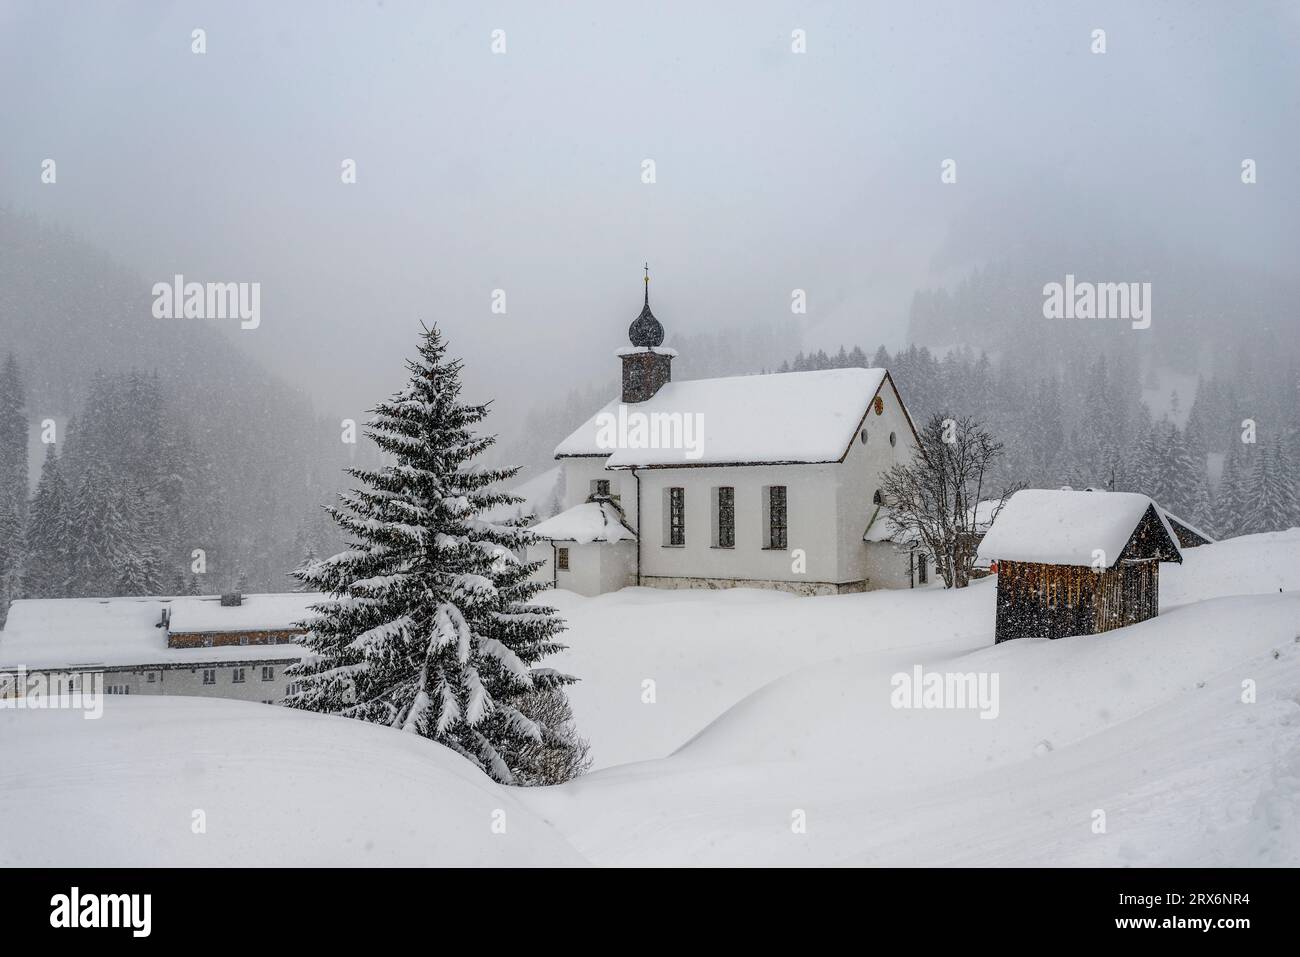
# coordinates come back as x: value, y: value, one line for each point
x: 645, y: 331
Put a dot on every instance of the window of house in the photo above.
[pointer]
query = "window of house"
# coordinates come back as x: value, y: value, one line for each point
x: 268, y: 673
x: 237, y: 675
x: 209, y: 676
x: 562, y: 559
x: 776, y: 516
x: 676, y: 516
x: 151, y: 677
x: 600, y: 486
x: 724, y: 517
x: 878, y: 498
x: 893, y: 438
x: 863, y: 436
x: 922, y: 569
x: 294, y: 688
x: 243, y: 639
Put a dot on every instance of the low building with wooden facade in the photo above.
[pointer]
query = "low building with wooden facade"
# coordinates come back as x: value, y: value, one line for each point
x: 210, y: 621
x: 1077, y: 563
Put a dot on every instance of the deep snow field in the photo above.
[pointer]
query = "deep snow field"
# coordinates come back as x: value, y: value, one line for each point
x: 767, y: 736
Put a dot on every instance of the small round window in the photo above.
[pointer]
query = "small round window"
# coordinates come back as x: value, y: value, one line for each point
x: 863, y: 436
x: 893, y: 438
x: 878, y: 498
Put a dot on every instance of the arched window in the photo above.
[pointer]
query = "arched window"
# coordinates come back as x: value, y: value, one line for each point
x: 893, y: 438
x: 878, y: 498
x: 863, y: 436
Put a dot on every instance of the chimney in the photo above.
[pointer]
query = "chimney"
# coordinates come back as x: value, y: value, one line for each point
x: 232, y: 600
x: 646, y: 365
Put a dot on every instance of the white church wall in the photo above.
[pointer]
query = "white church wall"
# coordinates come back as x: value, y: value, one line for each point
x: 857, y: 482
x: 810, y: 522
x: 581, y: 472
x: 594, y: 568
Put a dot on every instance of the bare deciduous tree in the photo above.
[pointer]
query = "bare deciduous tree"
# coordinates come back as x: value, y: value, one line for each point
x: 934, y: 498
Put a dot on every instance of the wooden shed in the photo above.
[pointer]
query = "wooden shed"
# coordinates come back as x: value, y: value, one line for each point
x: 1077, y: 563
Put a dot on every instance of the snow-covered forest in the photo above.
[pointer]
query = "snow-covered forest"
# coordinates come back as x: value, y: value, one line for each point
x: 1193, y: 458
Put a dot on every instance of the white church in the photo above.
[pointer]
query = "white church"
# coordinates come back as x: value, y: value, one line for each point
x: 767, y: 481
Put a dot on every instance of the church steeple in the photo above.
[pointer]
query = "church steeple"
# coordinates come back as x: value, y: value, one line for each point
x: 646, y: 331
x: 646, y: 366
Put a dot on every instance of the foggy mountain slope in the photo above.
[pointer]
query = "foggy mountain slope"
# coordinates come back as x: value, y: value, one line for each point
x: 1203, y: 311
x: 67, y: 311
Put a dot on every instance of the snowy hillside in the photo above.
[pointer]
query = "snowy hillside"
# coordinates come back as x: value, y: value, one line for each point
x: 766, y: 710
x: 276, y: 788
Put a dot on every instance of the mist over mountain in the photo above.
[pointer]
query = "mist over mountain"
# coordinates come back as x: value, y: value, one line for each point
x: 70, y: 315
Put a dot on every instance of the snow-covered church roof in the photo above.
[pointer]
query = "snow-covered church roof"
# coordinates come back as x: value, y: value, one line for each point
x: 1065, y: 527
x: 589, y: 522
x: 788, y: 417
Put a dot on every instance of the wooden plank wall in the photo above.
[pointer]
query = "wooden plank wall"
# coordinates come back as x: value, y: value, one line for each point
x: 1054, y: 601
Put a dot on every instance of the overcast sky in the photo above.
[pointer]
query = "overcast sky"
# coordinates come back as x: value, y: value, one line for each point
x: 522, y: 171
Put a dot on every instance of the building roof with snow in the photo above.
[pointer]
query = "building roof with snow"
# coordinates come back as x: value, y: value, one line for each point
x: 782, y: 418
x: 1188, y: 535
x: 1065, y: 527
x: 596, y: 521
x: 53, y: 633
x: 206, y: 614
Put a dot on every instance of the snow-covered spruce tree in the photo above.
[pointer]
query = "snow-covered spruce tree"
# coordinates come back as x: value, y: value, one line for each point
x: 1271, y: 498
x: 11, y: 552
x: 428, y: 626
x: 49, y: 534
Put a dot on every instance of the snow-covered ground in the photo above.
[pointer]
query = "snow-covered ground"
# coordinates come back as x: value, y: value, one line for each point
x: 765, y: 712
x: 273, y: 787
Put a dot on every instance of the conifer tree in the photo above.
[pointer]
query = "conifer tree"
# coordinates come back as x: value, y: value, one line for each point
x: 1271, y: 499
x: 13, y: 436
x: 1231, y: 502
x: 10, y: 551
x: 429, y: 627
x: 48, y: 538
x: 99, y: 538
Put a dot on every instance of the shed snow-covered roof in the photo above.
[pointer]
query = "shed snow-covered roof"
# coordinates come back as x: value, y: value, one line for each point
x: 588, y: 522
x: 273, y: 612
x: 66, y: 632
x: 1181, y: 530
x: 1064, y: 527
x: 785, y: 417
